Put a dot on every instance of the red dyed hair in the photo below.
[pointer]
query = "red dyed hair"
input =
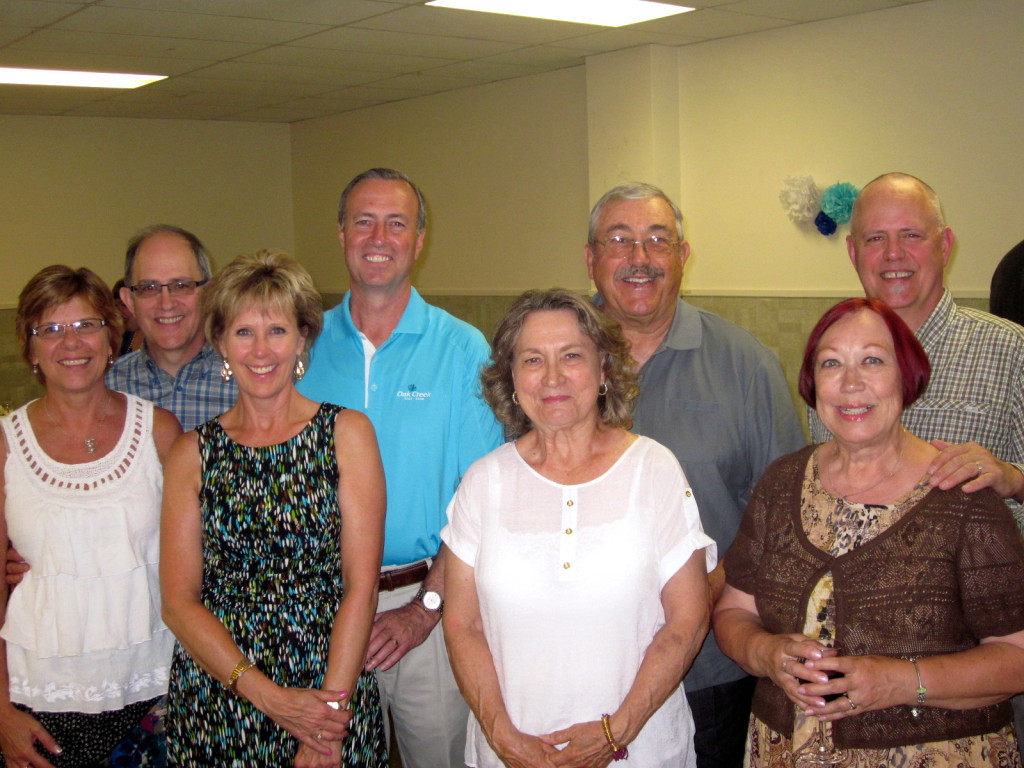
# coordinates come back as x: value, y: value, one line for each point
x: 915, y: 370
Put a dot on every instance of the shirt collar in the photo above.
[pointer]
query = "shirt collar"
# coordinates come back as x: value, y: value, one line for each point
x: 206, y: 352
x: 413, y: 320
x: 932, y: 328
x: 685, y: 332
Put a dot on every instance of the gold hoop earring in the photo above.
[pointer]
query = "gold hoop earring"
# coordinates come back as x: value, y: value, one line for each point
x: 226, y: 373
x: 514, y: 399
x: 300, y: 370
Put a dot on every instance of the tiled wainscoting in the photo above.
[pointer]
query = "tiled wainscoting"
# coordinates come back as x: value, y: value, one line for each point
x: 780, y: 323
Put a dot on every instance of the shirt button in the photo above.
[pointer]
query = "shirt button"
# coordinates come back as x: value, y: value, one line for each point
x: 689, y: 494
x: 373, y: 387
x: 568, y: 503
x: 566, y: 566
x: 568, y: 531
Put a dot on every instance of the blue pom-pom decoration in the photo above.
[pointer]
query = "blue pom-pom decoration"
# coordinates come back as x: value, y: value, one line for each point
x: 825, y: 224
x: 837, y: 202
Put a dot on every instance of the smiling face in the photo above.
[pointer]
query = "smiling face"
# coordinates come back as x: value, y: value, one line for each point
x: 262, y: 345
x: 73, y: 362
x: 556, y: 370
x: 899, y: 247
x: 379, y: 235
x: 171, y: 325
x: 857, y: 380
x: 638, y: 291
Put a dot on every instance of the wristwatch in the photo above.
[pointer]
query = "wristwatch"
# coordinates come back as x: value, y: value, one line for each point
x: 429, y: 600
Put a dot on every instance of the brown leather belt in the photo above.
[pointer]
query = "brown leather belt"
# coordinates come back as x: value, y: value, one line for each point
x: 403, y: 577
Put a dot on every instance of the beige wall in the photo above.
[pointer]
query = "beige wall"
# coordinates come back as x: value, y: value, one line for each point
x: 935, y: 89
x: 73, y: 190
x: 503, y: 168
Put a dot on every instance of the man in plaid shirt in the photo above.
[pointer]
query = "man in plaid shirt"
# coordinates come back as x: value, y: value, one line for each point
x: 973, y: 409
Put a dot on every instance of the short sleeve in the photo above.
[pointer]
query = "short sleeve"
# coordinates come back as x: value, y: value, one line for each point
x: 991, y: 568
x: 744, y: 556
x: 462, y: 533
x: 679, y: 530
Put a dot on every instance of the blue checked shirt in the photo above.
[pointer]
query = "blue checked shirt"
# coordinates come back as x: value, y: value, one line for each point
x: 976, y: 391
x: 196, y: 395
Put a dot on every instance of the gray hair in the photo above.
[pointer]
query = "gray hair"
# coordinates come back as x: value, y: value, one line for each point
x: 387, y: 174
x: 140, y: 237
x: 632, y: 191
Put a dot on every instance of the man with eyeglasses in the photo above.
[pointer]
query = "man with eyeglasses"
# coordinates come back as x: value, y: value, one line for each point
x: 711, y: 393
x: 164, y: 271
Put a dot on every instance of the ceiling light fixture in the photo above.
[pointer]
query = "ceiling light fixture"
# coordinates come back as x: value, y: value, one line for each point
x: 14, y: 76
x: 606, y: 13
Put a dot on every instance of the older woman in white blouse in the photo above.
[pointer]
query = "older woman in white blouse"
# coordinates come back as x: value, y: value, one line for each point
x: 578, y: 594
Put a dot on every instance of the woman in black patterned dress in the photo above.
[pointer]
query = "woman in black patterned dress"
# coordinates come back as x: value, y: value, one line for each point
x: 268, y: 670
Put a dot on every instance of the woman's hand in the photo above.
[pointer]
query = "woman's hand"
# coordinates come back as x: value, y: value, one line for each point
x: 519, y: 750
x: 788, y: 660
x: 19, y: 732
x: 587, y: 746
x: 307, y: 715
x: 307, y: 758
x: 868, y: 683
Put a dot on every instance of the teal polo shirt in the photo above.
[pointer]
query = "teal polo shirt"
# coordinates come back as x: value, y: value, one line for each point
x: 422, y: 393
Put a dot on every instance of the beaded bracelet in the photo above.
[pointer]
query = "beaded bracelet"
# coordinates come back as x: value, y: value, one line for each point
x: 240, y: 669
x: 918, y: 709
x: 619, y: 751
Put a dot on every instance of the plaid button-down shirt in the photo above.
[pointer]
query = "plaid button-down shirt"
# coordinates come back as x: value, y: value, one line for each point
x: 976, y: 392
x: 196, y: 395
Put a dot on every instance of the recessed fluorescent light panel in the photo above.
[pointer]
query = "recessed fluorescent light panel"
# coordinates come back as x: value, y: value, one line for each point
x: 606, y: 13
x: 14, y: 76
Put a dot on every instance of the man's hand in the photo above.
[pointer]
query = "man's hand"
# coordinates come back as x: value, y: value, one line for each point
x: 977, y: 468
x: 16, y: 567
x: 397, y: 632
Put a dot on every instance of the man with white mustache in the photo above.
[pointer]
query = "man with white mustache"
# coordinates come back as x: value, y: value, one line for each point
x: 973, y: 409
x: 710, y: 392
x: 165, y: 270
x: 415, y: 371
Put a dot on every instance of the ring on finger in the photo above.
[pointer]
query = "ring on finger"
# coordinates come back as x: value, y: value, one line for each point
x: 981, y: 469
x: 852, y: 705
x: 320, y: 734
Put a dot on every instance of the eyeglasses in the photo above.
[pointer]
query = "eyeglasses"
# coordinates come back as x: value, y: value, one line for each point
x: 621, y: 247
x: 54, y: 331
x: 150, y: 289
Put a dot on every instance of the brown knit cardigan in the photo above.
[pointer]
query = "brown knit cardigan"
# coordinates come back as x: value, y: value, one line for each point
x: 946, y: 575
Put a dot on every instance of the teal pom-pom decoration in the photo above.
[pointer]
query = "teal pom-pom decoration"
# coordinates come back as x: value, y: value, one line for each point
x: 837, y: 201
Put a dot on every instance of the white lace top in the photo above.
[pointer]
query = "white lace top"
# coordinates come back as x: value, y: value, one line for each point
x: 83, y: 629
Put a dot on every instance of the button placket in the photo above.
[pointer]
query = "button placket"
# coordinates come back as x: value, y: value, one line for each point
x: 568, y: 535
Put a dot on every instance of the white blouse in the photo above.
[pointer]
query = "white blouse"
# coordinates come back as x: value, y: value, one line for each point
x: 569, y: 580
x: 83, y: 629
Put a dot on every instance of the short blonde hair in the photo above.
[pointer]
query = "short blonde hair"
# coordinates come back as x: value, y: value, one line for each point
x: 616, y: 406
x: 54, y: 285
x: 265, y: 279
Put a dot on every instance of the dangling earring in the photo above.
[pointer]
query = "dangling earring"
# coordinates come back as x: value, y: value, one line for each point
x: 514, y: 400
x: 602, y: 390
x: 300, y: 370
x: 225, y: 372
x: 110, y: 359
x: 35, y: 369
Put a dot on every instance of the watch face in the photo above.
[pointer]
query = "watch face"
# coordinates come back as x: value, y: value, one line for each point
x: 431, y: 600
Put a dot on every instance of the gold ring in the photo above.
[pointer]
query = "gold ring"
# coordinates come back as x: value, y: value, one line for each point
x: 852, y: 705
x: 395, y: 641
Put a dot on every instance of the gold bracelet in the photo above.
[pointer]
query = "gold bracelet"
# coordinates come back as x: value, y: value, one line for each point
x: 917, y: 710
x: 619, y: 751
x: 240, y: 669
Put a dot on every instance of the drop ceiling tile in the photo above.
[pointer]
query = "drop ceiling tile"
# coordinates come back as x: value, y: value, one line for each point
x: 62, y: 41
x: 32, y: 13
x: 482, y: 26
x: 710, y: 23
x: 412, y: 44
x: 541, y: 56
x: 130, y: 21
x: 620, y: 39
x: 99, y: 62
x: 321, y: 12
x: 801, y: 10
x: 335, y: 78
x: 341, y: 59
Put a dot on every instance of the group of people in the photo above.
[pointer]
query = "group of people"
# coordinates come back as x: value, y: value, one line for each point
x: 562, y: 498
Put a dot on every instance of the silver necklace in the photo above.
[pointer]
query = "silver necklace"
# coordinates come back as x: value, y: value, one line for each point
x: 88, y: 442
x: 896, y: 466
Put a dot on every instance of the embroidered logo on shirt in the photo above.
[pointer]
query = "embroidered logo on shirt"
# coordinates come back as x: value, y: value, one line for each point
x: 411, y: 393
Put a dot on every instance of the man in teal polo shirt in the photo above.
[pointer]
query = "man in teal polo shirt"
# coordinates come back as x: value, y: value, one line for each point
x: 415, y: 371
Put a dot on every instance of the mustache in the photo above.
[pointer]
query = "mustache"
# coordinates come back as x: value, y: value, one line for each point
x: 645, y: 270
